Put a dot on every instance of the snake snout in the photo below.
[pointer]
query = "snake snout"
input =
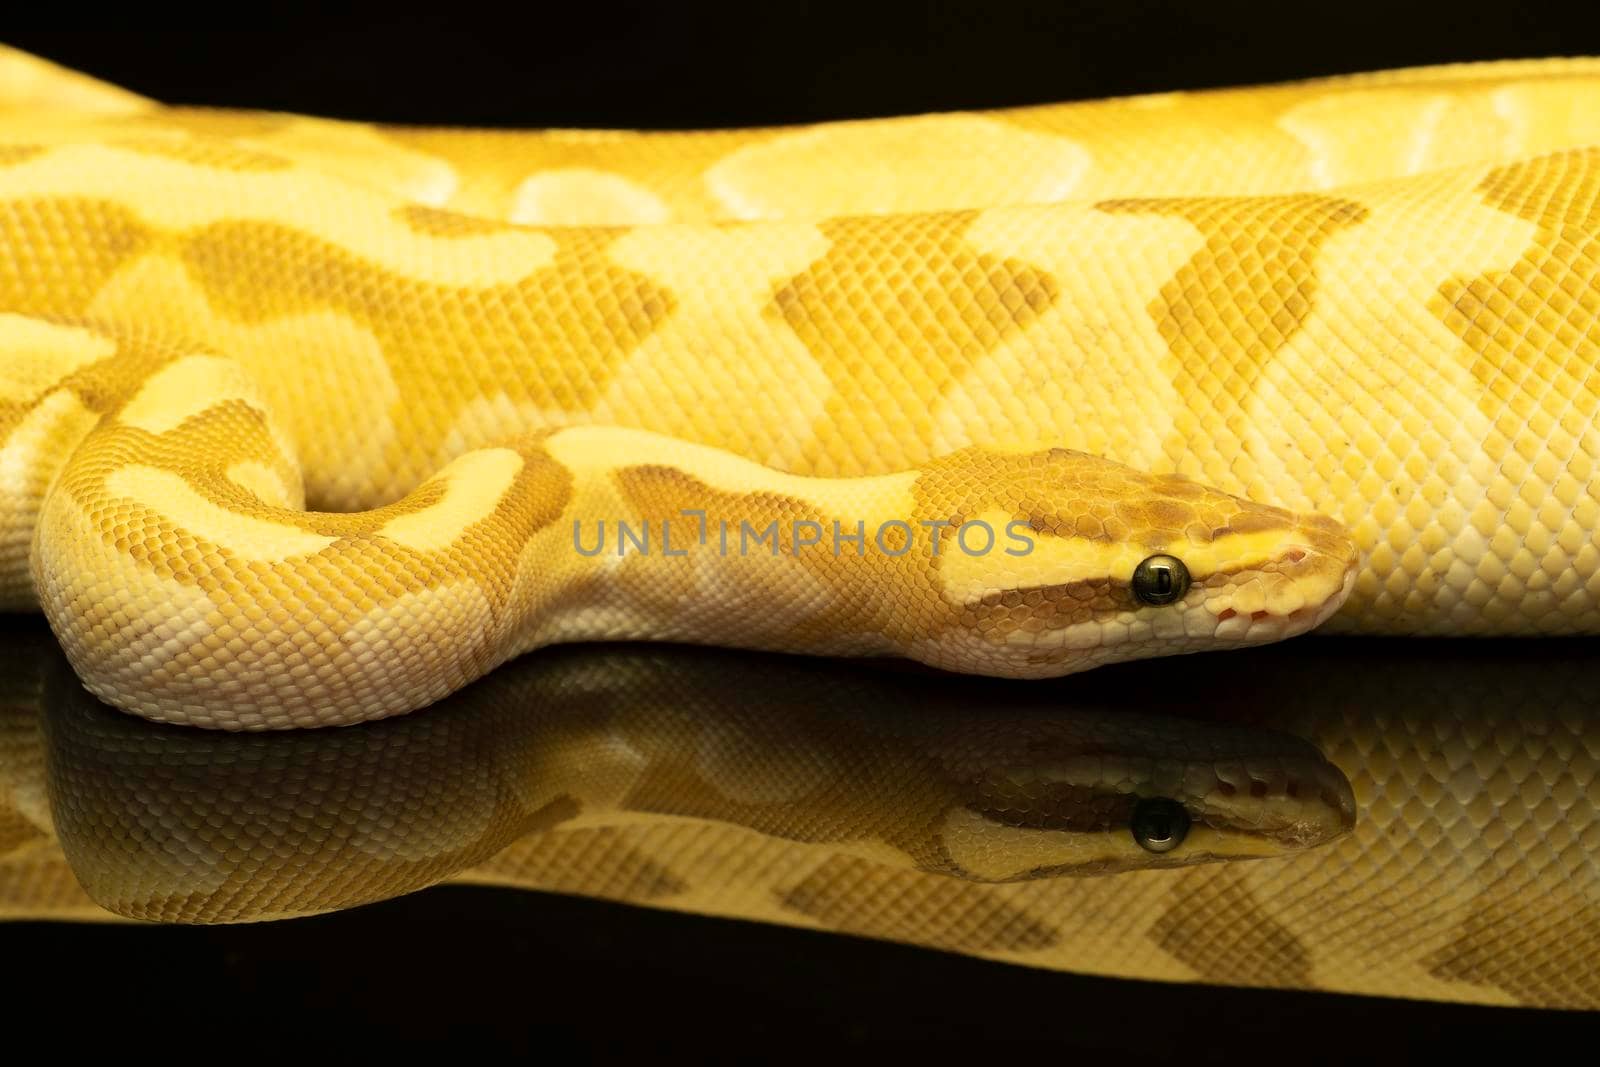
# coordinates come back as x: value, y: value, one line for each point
x: 1297, y: 586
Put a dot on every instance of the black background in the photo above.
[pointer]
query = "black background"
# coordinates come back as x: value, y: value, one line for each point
x: 560, y: 976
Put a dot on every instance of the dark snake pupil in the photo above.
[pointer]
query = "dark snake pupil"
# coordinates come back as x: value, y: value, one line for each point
x: 1159, y: 824
x: 1160, y: 579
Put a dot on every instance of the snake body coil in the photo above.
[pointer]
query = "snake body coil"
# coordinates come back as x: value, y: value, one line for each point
x: 215, y: 319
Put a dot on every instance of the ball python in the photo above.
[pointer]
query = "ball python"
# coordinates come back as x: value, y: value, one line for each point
x: 1184, y: 284
x: 218, y: 322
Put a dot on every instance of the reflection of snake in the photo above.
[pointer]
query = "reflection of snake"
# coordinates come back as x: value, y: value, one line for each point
x: 285, y: 310
x: 798, y: 792
x: 982, y: 785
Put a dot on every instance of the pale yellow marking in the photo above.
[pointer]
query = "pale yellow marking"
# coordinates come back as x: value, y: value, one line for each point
x: 183, y: 389
x: 1416, y: 420
x: 413, y: 621
x: 693, y: 376
x: 253, y: 539
x: 30, y: 83
x: 1417, y: 131
x: 579, y: 196
x: 1345, y: 144
x: 601, y: 765
x: 364, y: 156
x: 1156, y: 101
x: 467, y: 807
x: 646, y: 592
x: 331, y: 414
x: 969, y: 575
x: 474, y: 487
x: 754, y: 766
x: 1070, y: 374
x: 38, y: 354
x: 30, y: 459
x: 600, y: 449
x: 1203, y: 838
x: 174, y: 195
x: 495, y: 416
x: 1542, y: 116
x: 158, y: 618
x: 266, y: 484
x: 919, y: 163
x: 995, y: 851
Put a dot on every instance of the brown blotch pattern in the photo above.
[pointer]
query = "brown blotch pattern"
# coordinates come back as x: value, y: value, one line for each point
x: 326, y: 580
x: 1533, y: 332
x: 859, y: 897
x: 871, y: 592
x: 576, y: 318
x: 214, y: 122
x: 1220, y: 931
x: 435, y: 222
x: 1533, y: 942
x: 600, y: 862
x: 1234, y: 305
x: 211, y: 154
x: 102, y: 236
x: 12, y: 154
x: 492, y: 164
x: 902, y: 307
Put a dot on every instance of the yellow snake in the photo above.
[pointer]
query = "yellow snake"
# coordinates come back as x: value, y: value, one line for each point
x: 166, y: 457
x: 214, y: 331
x: 1370, y: 298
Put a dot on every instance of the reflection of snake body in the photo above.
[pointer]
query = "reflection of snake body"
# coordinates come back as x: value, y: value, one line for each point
x: 287, y: 311
x: 800, y: 792
x: 982, y: 786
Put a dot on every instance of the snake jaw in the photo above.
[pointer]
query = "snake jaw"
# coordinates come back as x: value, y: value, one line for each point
x: 1272, y: 575
x: 1292, y: 594
x: 1118, y: 564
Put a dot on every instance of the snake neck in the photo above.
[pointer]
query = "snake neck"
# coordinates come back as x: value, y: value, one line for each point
x: 668, y: 539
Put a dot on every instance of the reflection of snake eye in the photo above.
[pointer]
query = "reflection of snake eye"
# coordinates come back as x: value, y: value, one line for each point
x: 1159, y: 824
x: 1160, y: 579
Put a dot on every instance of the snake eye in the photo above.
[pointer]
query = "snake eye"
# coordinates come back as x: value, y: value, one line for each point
x: 1160, y: 579
x: 1159, y: 824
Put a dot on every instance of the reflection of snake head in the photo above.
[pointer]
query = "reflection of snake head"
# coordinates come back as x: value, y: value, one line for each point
x: 1101, y: 794
x: 1112, y: 563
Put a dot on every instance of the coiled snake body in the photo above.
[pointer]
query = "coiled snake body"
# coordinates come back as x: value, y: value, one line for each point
x: 213, y: 328
x: 1332, y: 346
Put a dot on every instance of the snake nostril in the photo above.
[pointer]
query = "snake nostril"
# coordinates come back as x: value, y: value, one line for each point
x: 1294, y: 555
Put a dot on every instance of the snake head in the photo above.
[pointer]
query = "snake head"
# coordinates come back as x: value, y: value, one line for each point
x: 1102, y: 562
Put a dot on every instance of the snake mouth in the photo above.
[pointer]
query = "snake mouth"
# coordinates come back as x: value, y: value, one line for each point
x: 1264, y: 624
